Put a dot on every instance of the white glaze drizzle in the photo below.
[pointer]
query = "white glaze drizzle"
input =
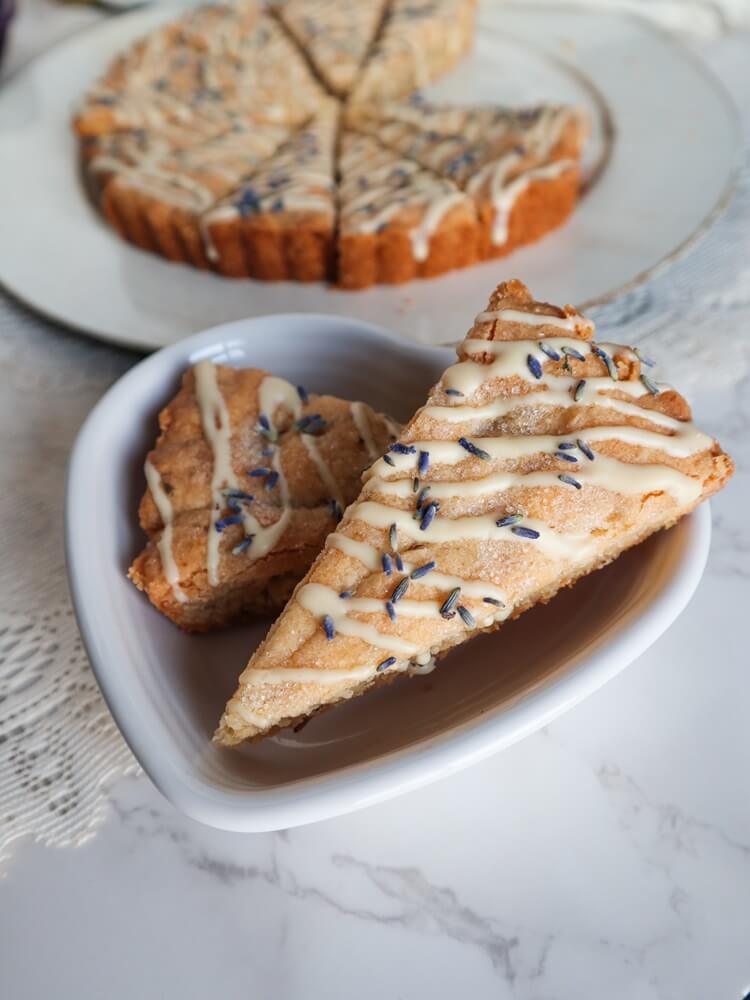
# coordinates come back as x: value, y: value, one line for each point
x: 530, y: 319
x: 217, y: 431
x: 505, y: 197
x: 273, y: 393
x: 164, y: 507
x: 361, y: 422
x: 379, y: 186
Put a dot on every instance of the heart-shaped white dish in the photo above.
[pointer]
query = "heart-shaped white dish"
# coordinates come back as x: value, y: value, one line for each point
x: 166, y: 689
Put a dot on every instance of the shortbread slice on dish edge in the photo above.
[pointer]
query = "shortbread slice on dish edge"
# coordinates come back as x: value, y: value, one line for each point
x: 280, y: 224
x: 419, y: 41
x: 397, y: 220
x: 155, y: 198
x: 335, y: 36
x: 539, y: 457
x: 247, y: 478
x: 520, y: 165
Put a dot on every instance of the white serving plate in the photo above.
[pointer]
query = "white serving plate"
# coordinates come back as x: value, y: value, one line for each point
x: 167, y: 689
x: 672, y: 166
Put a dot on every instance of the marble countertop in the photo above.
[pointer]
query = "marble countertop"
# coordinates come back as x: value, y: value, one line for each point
x: 607, y: 855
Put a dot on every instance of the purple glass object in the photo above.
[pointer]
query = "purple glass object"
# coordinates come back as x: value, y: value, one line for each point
x: 7, y: 10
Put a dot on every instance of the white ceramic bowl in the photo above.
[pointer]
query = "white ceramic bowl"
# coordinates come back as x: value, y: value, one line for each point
x: 166, y: 689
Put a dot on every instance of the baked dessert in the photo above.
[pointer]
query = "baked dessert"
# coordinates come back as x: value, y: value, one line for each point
x: 397, y: 220
x: 281, y: 224
x: 217, y: 141
x: 539, y: 457
x: 248, y: 476
x: 520, y: 165
x: 156, y: 199
x: 420, y: 40
x: 335, y: 36
x: 200, y: 71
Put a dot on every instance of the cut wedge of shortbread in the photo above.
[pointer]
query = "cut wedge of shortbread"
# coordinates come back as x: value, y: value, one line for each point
x: 335, y: 36
x: 246, y: 480
x: 520, y: 165
x: 539, y: 457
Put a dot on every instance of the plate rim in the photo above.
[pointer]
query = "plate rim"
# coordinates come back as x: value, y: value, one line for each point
x: 700, y: 67
x: 366, y: 783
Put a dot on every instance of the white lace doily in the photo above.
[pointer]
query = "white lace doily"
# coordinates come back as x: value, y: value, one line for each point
x: 59, y: 748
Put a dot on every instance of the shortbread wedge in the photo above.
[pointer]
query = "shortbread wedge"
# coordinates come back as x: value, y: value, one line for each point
x: 521, y: 166
x: 246, y: 480
x: 335, y: 36
x: 537, y: 458
x: 398, y: 221
x: 418, y: 42
x: 280, y: 225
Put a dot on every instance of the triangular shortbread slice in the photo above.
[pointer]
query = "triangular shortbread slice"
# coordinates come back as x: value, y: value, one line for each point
x: 281, y: 223
x: 335, y: 36
x: 520, y: 165
x: 202, y: 70
x: 247, y: 478
x: 539, y: 457
x: 155, y: 196
x: 419, y: 40
x: 398, y: 221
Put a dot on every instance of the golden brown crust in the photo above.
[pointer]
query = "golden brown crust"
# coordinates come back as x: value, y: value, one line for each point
x: 388, y: 257
x: 184, y: 460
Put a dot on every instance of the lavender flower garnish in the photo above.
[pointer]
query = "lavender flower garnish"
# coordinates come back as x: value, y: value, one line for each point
x: 507, y: 522
x: 423, y: 463
x: 302, y: 393
x: 311, y: 423
x: 466, y: 616
x: 572, y: 352
x: 391, y: 611
x: 578, y: 391
x: 386, y: 563
x: 473, y: 449
x: 549, y: 351
x: 534, y: 367
x: 446, y: 608
x: 328, y: 627
x: 384, y: 664
x: 586, y: 449
x: 611, y: 366
x: 493, y: 601
x: 428, y: 515
x: 400, y: 590
x: 234, y: 494
x: 423, y: 570
x: 243, y: 546
x: 522, y: 532
x: 226, y: 522
x: 569, y: 480
x: 565, y: 456
x: 651, y: 386
x: 422, y: 497
x: 402, y: 449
